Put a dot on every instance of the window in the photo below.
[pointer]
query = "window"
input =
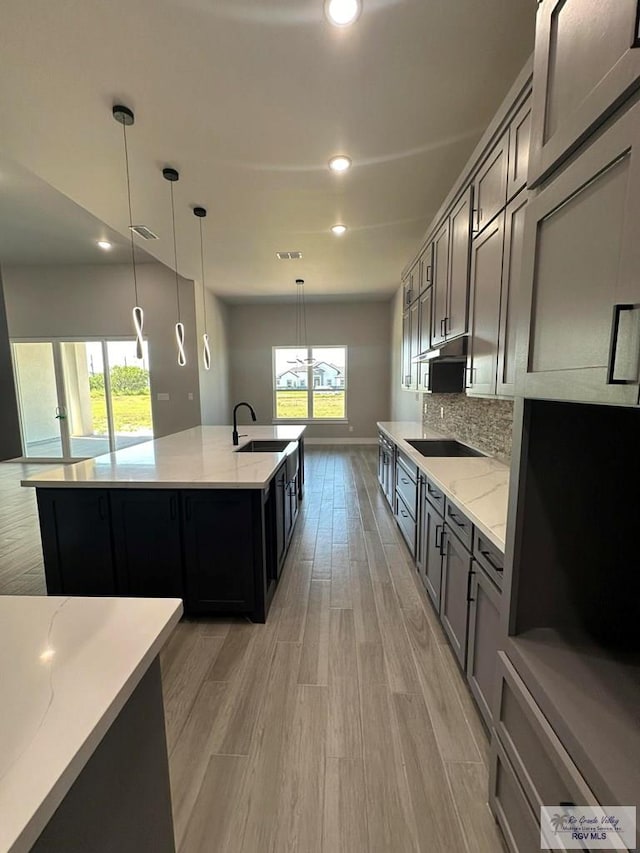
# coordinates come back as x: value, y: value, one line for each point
x: 310, y: 383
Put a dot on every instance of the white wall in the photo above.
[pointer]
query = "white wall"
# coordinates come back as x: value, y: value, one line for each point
x: 364, y: 327
x: 214, y: 383
x: 96, y: 301
x: 405, y: 405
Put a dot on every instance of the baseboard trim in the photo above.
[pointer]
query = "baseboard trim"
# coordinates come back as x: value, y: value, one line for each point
x: 309, y: 441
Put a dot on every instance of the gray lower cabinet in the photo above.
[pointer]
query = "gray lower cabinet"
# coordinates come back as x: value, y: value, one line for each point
x: 509, y: 805
x: 580, y: 276
x: 454, y: 598
x: 483, y: 640
x: 586, y: 62
x: 484, y: 319
x: 429, y: 547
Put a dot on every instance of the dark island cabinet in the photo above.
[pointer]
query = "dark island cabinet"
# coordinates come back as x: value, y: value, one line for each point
x: 222, y: 538
x: 76, y: 541
x: 147, y: 542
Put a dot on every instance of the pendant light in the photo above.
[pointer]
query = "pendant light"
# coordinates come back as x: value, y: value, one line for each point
x: 201, y: 212
x: 172, y: 176
x: 302, y: 341
x: 124, y: 116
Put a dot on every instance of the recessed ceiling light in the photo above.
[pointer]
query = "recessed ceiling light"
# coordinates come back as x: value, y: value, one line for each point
x: 341, y: 13
x: 340, y: 163
x: 338, y: 230
x: 105, y: 244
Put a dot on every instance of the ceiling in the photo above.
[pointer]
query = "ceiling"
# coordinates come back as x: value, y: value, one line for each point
x: 249, y: 99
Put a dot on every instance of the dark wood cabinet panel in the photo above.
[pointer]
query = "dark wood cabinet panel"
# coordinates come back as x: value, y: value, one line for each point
x: 455, y: 321
x: 440, y: 262
x: 490, y: 184
x: 580, y: 275
x: 511, y: 280
x: 76, y: 541
x: 483, y: 640
x: 454, y: 604
x: 519, y: 144
x: 586, y: 63
x: 147, y: 542
x: 486, y: 285
x: 220, y: 533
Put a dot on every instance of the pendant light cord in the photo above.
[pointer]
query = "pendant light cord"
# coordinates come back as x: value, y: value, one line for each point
x: 175, y: 248
x: 204, y: 298
x: 133, y: 256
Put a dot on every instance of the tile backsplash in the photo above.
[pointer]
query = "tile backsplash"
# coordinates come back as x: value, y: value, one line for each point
x: 485, y: 424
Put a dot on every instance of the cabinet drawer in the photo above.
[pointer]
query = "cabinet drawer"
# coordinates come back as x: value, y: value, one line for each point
x: 459, y: 524
x: 543, y: 766
x: 509, y: 804
x: 406, y: 523
x: 434, y: 496
x: 407, y: 483
x: 489, y: 557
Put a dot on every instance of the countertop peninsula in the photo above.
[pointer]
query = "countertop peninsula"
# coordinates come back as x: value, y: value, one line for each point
x: 67, y: 668
x: 199, y: 458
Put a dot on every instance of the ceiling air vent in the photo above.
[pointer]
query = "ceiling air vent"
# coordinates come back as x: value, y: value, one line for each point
x: 289, y: 256
x: 144, y: 232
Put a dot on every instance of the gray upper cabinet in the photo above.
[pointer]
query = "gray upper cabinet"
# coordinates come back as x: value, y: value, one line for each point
x: 440, y: 261
x: 587, y: 61
x: 455, y: 322
x: 490, y: 184
x: 413, y: 283
x: 519, y: 143
x: 406, y: 350
x: 486, y: 284
x: 424, y: 337
x: 511, y: 277
x: 580, y: 276
x: 414, y: 368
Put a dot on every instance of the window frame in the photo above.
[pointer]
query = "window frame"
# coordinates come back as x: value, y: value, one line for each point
x: 310, y: 386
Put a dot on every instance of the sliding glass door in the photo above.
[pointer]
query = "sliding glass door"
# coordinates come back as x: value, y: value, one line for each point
x: 80, y: 399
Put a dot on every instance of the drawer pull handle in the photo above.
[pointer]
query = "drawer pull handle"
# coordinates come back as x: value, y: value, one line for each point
x: 403, y: 514
x: 434, y: 493
x: 487, y: 556
x: 455, y: 519
x: 404, y: 480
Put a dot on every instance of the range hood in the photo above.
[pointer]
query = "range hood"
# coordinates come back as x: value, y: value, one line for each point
x: 453, y: 349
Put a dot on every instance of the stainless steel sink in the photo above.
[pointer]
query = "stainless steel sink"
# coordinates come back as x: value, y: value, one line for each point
x: 442, y: 447
x: 268, y: 445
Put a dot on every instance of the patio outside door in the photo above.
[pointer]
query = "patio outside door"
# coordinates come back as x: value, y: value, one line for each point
x: 80, y: 399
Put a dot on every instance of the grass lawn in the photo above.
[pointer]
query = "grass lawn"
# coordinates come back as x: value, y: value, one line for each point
x: 326, y: 404
x: 131, y: 413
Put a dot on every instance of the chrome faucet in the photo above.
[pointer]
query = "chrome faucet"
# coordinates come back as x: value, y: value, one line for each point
x: 235, y: 420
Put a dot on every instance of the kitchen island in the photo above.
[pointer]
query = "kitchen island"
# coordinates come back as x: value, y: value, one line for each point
x: 187, y: 516
x: 83, y: 754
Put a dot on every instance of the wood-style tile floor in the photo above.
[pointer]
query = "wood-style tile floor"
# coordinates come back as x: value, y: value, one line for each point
x: 344, y: 723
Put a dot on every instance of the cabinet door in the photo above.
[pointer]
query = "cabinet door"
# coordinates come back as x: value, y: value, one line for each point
x: 406, y: 350
x: 414, y: 313
x: 484, y: 641
x: 580, y: 275
x: 424, y: 334
x: 440, y: 261
x: 587, y: 60
x: 454, y: 604
x: 509, y: 300
x: 147, y: 542
x: 433, y: 563
x: 458, y: 296
x: 486, y: 282
x: 280, y: 492
x: 413, y: 283
x: 219, y: 538
x: 76, y: 541
x: 490, y: 184
x: 519, y: 143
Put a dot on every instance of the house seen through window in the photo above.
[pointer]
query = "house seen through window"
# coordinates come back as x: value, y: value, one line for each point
x: 310, y: 383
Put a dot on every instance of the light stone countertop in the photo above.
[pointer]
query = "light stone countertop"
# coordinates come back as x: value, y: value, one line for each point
x: 200, y: 458
x: 67, y: 668
x: 479, y: 486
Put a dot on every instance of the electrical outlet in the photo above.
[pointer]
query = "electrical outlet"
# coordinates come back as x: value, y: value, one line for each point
x: 350, y: 428
x: 190, y: 395
x: 441, y: 412
x: 162, y: 396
